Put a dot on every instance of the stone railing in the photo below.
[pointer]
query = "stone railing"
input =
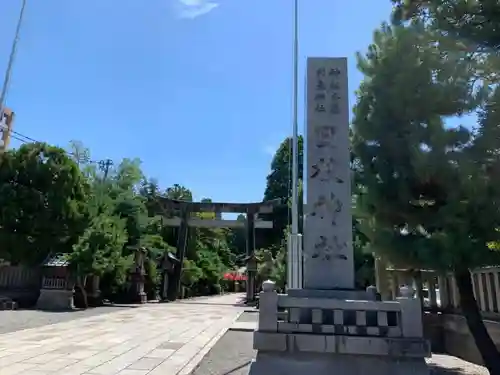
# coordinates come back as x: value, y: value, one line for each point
x: 322, y: 320
x: 341, y: 317
x: 54, y: 283
x: 441, y: 290
x: 486, y: 283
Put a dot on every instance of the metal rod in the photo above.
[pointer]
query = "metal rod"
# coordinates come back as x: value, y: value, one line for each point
x: 295, y: 133
x: 12, y: 57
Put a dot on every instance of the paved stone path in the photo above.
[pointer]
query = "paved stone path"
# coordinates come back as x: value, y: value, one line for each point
x: 16, y: 320
x: 166, y: 339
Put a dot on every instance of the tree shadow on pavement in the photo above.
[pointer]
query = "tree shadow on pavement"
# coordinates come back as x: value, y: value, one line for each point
x: 79, y: 309
x: 439, y: 370
x: 241, y: 302
x: 246, y: 364
x: 212, y: 304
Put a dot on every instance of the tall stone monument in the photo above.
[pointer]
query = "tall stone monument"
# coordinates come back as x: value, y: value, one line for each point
x: 328, y: 327
x: 328, y: 253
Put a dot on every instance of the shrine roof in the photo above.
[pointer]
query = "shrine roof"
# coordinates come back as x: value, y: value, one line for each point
x: 57, y: 260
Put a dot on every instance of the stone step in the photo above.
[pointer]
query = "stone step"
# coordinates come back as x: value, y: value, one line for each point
x: 7, y: 304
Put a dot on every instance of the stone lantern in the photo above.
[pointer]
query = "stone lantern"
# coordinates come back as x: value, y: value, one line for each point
x: 251, y: 263
x: 168, y: 262
x: 138, y: 276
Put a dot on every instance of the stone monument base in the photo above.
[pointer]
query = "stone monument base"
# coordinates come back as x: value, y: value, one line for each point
x: 316, y: 332
x: 319, y: 364
x: 55, y: 299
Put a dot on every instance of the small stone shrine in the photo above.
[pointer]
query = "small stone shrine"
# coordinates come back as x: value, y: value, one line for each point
x: 57, y: 285
x: 329, y: 327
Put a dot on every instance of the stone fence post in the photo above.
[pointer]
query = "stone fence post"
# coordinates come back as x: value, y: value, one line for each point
x: 268, y: 307
x: 411, y: 313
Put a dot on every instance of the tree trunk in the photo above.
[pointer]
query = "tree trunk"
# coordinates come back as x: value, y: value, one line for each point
x: 80, y: 284
x: 470, y: 310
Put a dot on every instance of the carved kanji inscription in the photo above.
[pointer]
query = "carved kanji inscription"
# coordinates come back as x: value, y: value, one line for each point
x: 327, y: 207
x: 327, y: 249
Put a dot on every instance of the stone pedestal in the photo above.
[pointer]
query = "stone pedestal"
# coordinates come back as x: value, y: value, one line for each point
x: 329, y: 327
x: 322, y: 335
x: 55, y: 299
x: 345, y: 364
x: 137, y: 289
x: 94, y: 293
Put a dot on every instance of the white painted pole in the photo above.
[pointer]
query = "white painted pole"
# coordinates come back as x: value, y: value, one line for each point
x: 294, y: 246
x: 295, y: 133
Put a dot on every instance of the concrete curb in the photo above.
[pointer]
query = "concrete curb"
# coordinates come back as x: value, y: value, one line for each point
x: 196, y: 360
x: 244, y: 326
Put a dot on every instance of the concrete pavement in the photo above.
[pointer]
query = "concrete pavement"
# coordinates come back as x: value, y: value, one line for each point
x: 150, y: 340
x: 234, y: 352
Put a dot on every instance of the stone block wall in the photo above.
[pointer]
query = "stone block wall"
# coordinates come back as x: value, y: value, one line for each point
x: 448, y: 333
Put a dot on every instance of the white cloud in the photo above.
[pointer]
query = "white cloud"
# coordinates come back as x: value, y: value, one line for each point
x: 272, y: 145
x: 270, y: 150
x: 191, y: 9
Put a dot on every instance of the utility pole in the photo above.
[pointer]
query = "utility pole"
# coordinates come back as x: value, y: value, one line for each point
x: 104, y: 166
x: 8, y: 74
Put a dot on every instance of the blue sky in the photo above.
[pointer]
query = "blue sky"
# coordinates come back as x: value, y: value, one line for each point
x: 199, y: 90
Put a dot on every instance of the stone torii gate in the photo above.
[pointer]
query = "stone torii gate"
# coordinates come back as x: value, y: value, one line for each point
x: 177, y: 213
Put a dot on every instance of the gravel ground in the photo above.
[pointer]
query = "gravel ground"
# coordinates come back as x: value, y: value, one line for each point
x: 16, y: 320
x: 233, y: 353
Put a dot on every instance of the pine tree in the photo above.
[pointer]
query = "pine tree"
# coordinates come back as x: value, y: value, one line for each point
x: 429, y: 192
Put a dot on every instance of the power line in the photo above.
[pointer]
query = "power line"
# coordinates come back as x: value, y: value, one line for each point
x: 25, y: 139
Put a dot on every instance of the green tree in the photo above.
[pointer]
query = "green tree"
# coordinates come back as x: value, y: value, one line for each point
x: 124, y: 185
x: 191, y: 273
x: 429, y: 193
x: 151, y: 192
x: 236, y: 240
x: 179, y: 192
x: 279, y: 186
x: 475, y: 21
x: 128, y: 176
x: 52, y: 201
x: 42, y: 203
x: 79, y: 153
x: 99, y: 249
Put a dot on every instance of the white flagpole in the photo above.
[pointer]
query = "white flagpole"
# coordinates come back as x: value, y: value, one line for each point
x: 294, y: 268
